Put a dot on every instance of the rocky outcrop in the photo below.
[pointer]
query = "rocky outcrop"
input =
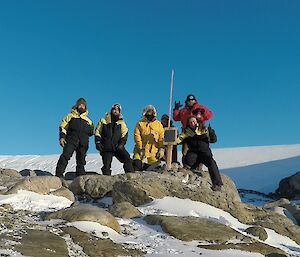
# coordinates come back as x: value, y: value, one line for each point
x: 9, y: 173
x: 141, y: 188
x: 64, y: 192
x: 95, y: 247
x: 86, y: 212
x: 124, y: 210
x: 289, y: 187
x: 40, y: 185
x: 259, y: 232
x: 37, y: 243
x: 95, y: 186
x: 192, y: 228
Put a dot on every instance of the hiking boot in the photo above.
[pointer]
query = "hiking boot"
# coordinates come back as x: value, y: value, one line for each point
x: 197, y: 172
x: 216, y: 188
x: 61, y: 176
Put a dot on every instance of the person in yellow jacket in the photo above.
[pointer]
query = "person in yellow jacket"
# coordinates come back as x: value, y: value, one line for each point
x: 148, y: 138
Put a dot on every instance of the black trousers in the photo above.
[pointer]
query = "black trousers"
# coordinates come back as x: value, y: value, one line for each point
x: 122, y: 155
x: 64, y: 158
x: 194, y: 158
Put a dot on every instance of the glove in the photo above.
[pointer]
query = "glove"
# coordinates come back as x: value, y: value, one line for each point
x: 119, y: 147
x: 212, y: 134
x: 99, y: 147
x: 62, y: 142
x: 160, y: 154
x: 142, y: 153
x: 177, y: 105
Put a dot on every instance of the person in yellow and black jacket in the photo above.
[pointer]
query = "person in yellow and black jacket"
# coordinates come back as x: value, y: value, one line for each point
x: 148, y: 138
x: 198, y: 138
x: 110, y: 138
x: 74, y: 132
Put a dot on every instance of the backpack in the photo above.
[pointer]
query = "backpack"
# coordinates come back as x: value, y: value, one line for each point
x: 212, y: 135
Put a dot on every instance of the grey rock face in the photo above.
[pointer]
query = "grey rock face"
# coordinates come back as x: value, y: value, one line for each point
x: 95, y: 247
x: 143, y: 187
x: 289, y: 187
x: 64, y: 192
x: 96, y: 186
x: 124, y: 210
x: 37, y: 243
x: 259, y: 232
x: 86, y: 212
x: 192, y: 228
x: 9, y: 173
x: 40, y: 185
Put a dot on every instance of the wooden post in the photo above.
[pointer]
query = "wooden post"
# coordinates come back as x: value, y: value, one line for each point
x: 169, y: 156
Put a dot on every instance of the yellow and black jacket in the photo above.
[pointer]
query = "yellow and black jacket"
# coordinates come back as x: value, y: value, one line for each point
x: 111, y: 134
x: 148, y: 135
x: 76, y: 127
x: 197, y: 140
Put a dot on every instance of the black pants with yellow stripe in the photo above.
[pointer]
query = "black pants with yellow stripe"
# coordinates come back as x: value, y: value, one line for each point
x: 122, y: 155
x: 68, y: 151
x: 194, y: 158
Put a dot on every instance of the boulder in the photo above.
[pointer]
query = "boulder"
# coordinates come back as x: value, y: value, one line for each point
x: 37, y: 243
x: 258, y: 231
x: 95, y: 247
x: 96, y: 186
x: 289, y: 187
x: 193, y: 228
x: 34, y: 173
x: 40, y: 185
x: 64, y: 192
x: 142, y: 187
x: 279, y: 203
x: 9, y: 173
x: 86, y: 212
x: 124, y: 210
x: 255, y: 247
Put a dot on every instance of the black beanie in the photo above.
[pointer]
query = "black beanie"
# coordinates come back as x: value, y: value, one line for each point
x: 81, y: 101
x: 190, y: 97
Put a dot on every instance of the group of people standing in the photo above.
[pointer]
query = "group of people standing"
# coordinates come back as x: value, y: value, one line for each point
x: 111, y: 135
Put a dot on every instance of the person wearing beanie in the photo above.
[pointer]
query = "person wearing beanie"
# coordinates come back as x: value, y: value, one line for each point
x: 110, y: 138
x: 74, y: 132
x: 197, y: 138
x: 191, y: 104
x: 148, y: 138
x: 183, y: 114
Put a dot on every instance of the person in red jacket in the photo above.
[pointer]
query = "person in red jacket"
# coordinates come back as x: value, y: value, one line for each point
x: 191, y: 108
x: 191, y: 105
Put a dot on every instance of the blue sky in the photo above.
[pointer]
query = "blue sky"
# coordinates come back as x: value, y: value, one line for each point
x: 240, y: 58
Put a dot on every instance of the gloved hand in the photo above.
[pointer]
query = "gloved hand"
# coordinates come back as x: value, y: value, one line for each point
x: 142, y: 153
x: 99, y: 147
x: 177, y: 105
x: 62, y: 142
x: 119, y: 147
x: 160, y: 154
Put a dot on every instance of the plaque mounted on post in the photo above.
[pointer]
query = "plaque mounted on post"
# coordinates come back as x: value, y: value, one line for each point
x: 170, y: 137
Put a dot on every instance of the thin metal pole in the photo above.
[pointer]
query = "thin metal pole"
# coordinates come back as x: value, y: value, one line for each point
x: 171, y: 93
